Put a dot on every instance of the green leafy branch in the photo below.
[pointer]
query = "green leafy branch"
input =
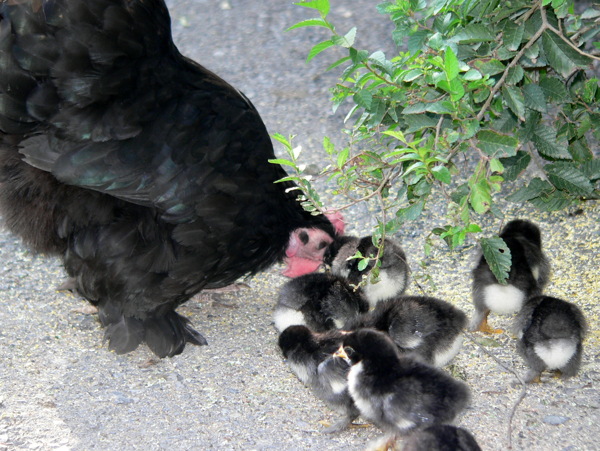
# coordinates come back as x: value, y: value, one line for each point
x: 501, y: 86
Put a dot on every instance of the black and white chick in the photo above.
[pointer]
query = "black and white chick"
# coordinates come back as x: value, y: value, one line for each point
x: 441, y: 437
x: 528, y: 275
x: 310, y: 356
x: 393, y: 272
x: 320, y: 301
x: 398, y: 393
x: 428, y: 327
x: 550, y: 332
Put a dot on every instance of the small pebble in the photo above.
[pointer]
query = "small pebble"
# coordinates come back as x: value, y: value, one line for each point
x: 555, y: 419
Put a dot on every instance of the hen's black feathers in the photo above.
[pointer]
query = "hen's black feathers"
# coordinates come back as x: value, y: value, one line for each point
x: 145, y: 170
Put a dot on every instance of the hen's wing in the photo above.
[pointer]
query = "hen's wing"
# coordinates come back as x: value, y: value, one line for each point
x: 120, y: 111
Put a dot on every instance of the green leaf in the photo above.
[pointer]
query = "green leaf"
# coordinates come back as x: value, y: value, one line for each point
x: 496, y: 166
x: 416, y: 41
x: 310, y: 23
x: 450, y: 64
x: 544, y: 138
x: 343, y: 157
x: 416, y: 122
x: 562, y: 57
x: 363, y: 98
x: 481, y: 196
x: 320, y: 5
x: 496, y: 144
x: 283, y: 162
x: 554, y: 201
x: 566, y: 177
x: 345, y: 41
x: 513, y: 35
x: 410, y: 213
x: 536, y: 188
x: 442, y: 174
x: 474, y: 33
x: 515, y: 100
x: 318, y: 48
x: 498, y: 257
x: 515, y: 165
x: 591, y: 169
x: 491, y: 67
x: 328, y: 146
x: 534, y: 97
x: 554, y: 89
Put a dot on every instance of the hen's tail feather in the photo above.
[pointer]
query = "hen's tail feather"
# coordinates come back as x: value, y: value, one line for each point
x: 125, y: 335
x: 167, y: 335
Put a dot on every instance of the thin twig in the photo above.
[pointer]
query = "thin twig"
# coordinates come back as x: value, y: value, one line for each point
x: 519, y: 378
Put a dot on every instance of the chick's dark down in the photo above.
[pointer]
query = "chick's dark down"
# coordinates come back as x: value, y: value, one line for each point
x: 146, y: 172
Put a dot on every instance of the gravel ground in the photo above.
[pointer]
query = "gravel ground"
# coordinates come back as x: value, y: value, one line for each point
x: 61, y: 389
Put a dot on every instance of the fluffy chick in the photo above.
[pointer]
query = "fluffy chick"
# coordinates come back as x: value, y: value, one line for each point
x: 441, y: 437
x: 320, y: 301
x: 398, y: 393
x: 310, y: 357
x: 528, y: 275
x: 426, y: 326
x: 393, y: 272
x: 550, y: 332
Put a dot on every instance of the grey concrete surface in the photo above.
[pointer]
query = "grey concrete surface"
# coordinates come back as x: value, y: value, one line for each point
x: 61, y: 389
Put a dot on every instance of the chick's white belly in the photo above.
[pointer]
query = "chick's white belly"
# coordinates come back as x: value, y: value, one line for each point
x: 285, y: 317
x: 387, y: 287
x: 443, y: 356
x: 503, y: 299
x: 555, y: 353
x: 362, y: 403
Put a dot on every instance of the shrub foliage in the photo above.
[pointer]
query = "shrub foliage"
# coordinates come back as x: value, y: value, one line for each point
x: 503, y: 85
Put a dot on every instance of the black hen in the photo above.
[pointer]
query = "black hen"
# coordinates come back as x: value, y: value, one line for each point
x: 146, y: 172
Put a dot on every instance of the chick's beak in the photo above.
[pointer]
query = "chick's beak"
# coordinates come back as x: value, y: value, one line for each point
x: 341, y: 353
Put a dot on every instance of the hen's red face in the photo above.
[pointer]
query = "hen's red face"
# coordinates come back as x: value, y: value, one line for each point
x: 305, y: 251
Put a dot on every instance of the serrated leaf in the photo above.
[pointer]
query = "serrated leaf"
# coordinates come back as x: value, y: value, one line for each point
x: 320, y: 5
x: 442, y: 174
x: 515, y: 165
x: 566, y: 177
x: 496, y: 166
x: 328, y: 146
x: 450, y: 64
x: 416, y: 122
x: 410, y: 213
x: 474, y: 33
x: 416, y: 41
x: 515, y: 100
x: 515, y: 75
x: 318, y: 48
x: 310, y: 23
x: 544, y: 138
x: 555, y: 201
x: 513, y: 35
x: 362, y: 264
x: 554, y: 89
x: 481, y: 196
x: 535, y: 98
x: 496, y: 144
x: 491, y: 67
x: 591, y: 169
x: 498, y: 257
x: 283, y: 162
x: 343, y: 157
x: 363, y: 98
x: 536, y: 188
x: 561, y: 56
x: 345, y: 41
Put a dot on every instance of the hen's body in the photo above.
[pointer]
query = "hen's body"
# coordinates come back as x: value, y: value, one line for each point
x: 144, y: 170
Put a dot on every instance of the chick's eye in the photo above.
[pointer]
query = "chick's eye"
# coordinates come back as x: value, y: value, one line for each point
x: 349, y: 351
